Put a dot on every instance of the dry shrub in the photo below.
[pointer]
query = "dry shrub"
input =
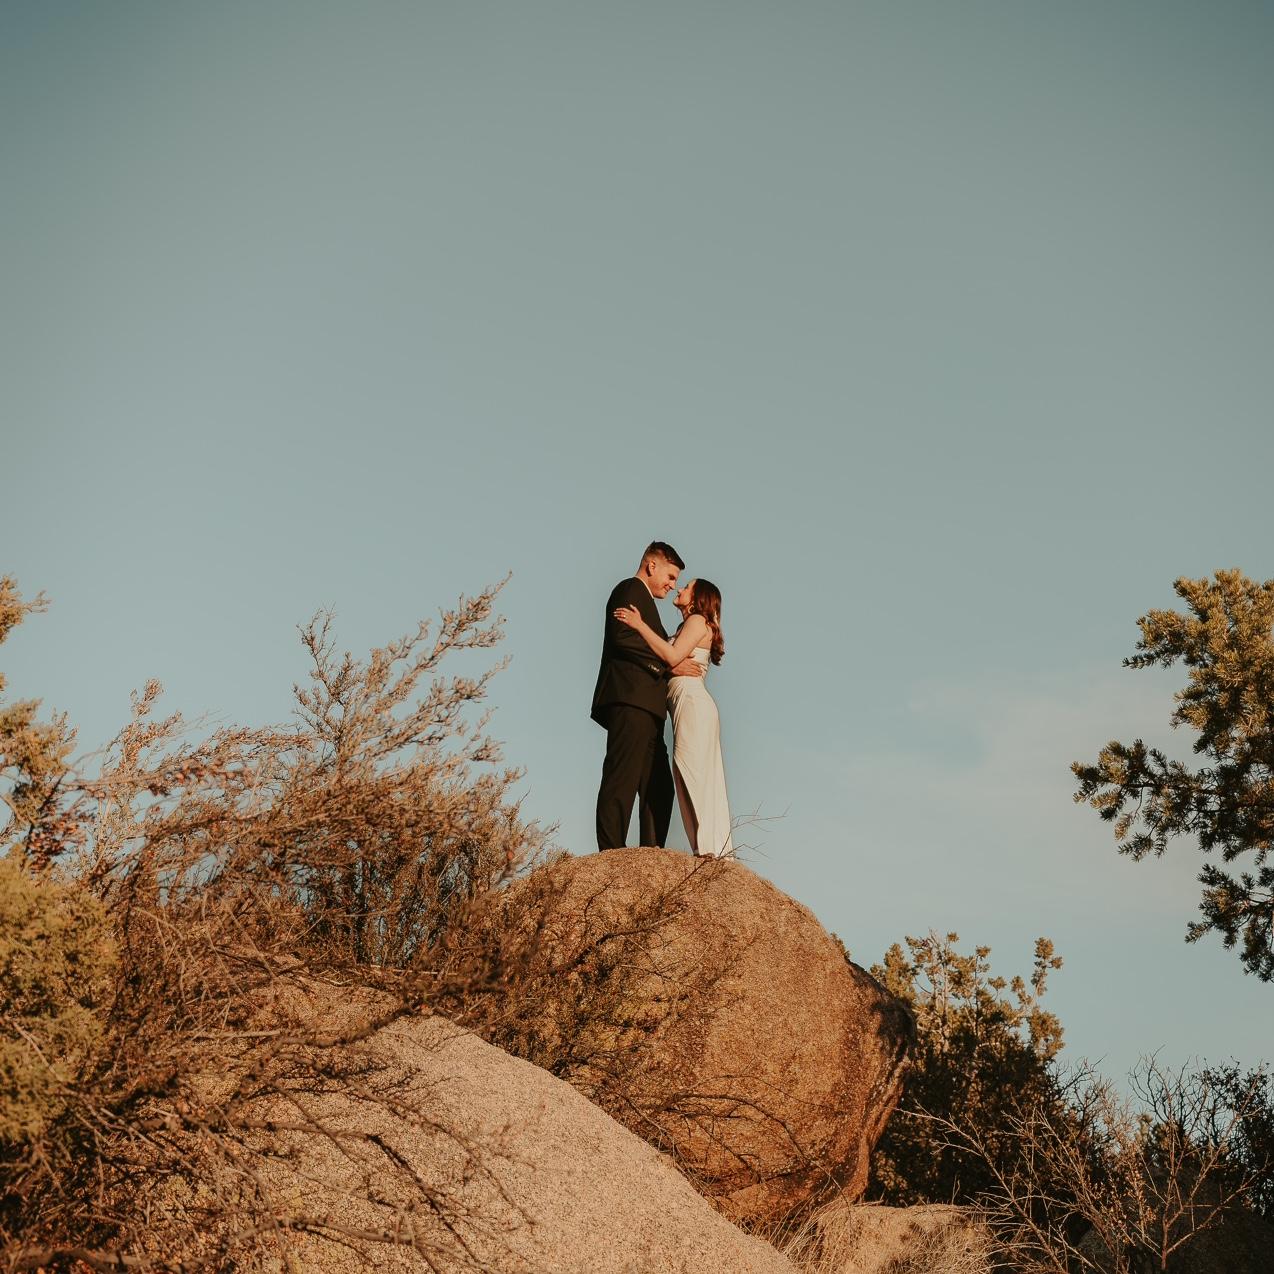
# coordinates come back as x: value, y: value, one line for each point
x: 57, y: 966
x: 582, y: 991
x: 1250, y: 1095
x: 235, y: 874
x: 985, y: 1044
x: 1116, y: 1184
x: 865, y: 1239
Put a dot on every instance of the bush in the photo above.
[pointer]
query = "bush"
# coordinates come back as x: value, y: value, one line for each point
x: 1247, y: 1103
x: 1069, y: 1173
x: 244, y: 879
x: 57, y: 970
x: 583, y: 991
x: 978, y: 1052
x: 1117, y: 1184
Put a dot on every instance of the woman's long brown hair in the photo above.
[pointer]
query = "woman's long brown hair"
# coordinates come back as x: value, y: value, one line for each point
x: 705, y: 600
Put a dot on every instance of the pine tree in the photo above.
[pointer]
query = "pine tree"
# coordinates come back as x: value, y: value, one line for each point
x: 1224, y: 640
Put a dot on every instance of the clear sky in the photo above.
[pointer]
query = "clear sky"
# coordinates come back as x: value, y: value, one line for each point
x: 938, y: 336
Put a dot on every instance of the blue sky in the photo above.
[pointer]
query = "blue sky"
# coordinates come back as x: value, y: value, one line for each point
x: 937, y: 336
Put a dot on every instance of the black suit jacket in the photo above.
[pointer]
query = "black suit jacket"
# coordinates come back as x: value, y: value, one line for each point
x: 631, y: 672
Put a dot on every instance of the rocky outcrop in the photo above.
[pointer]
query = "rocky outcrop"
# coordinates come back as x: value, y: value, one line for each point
x: 711, y: 1014
x: 526, y: 1174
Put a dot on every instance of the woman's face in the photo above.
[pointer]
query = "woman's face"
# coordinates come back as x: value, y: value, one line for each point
x: 686, y: 596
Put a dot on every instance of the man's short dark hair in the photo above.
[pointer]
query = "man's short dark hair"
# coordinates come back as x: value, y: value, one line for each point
x: 657, y: 548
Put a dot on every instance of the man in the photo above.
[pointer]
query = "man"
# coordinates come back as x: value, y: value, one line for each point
x: 630, y: 703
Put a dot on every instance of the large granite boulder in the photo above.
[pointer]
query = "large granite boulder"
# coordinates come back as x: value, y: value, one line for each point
x: 710, y: 1013
x: 523, y: 1174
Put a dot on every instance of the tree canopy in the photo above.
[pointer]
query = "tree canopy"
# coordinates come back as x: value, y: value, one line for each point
x: 180, y: 916
x: 1225, y: 641
x: 984, y: 1048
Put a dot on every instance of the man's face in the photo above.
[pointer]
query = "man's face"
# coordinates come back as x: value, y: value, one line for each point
x: 665, y: 578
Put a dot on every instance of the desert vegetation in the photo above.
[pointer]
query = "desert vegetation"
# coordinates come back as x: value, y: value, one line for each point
x: 169, y: 915
x: 1069, y: 1170
x: 203, y: 934
x: 199, y: 930
x: 1225, y: 638
x: 1065, y: 1169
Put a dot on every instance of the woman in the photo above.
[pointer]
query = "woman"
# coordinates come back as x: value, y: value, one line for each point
x: 696, y: 750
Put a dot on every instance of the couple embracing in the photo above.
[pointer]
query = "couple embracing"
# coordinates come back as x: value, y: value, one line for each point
x: 644, y: 676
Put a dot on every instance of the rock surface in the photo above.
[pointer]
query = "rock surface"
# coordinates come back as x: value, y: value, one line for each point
x: 713, y: 1015
x: 531, y: 1176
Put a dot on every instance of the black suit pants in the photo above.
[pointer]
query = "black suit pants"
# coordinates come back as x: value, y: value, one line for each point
x: 636, y: 765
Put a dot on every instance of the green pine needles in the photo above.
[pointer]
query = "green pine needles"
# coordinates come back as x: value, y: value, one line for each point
x: 1225, y: 640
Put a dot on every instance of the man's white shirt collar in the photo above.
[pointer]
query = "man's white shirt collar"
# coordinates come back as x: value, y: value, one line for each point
x: 646, y: 586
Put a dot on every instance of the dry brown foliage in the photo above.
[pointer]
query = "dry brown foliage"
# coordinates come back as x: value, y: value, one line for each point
x: 234, y: 871
x: 588, y: 990
x: 1115, y: 1184
x: 866, y: 1239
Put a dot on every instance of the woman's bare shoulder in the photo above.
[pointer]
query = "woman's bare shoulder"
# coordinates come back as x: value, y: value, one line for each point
x: 696, y: 626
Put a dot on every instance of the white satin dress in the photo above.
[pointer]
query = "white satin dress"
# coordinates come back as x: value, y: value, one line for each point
x: 696, y: 763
